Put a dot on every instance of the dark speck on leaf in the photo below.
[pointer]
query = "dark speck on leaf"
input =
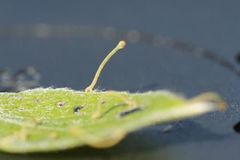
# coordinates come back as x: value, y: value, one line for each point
x: 76, y: 109
x: 131, y: 111
x: 61, y: 104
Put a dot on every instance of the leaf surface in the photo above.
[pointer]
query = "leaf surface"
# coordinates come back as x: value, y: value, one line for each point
x: 42, y: 120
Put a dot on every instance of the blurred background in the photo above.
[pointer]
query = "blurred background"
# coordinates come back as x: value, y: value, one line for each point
x: 184, y: 46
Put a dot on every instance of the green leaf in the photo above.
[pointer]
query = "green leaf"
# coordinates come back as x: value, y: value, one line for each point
x: 42, y: 120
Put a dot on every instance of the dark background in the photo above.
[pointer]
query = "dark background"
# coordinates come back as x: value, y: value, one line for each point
x: 70, y: 61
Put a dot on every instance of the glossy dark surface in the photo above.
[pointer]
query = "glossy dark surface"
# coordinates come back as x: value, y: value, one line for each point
x: 71, y: 62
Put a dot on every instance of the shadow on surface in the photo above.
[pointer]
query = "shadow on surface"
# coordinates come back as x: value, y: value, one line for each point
x: 152, y: 138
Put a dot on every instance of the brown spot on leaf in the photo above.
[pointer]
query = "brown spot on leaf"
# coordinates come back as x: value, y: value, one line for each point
x: 60, y: 104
